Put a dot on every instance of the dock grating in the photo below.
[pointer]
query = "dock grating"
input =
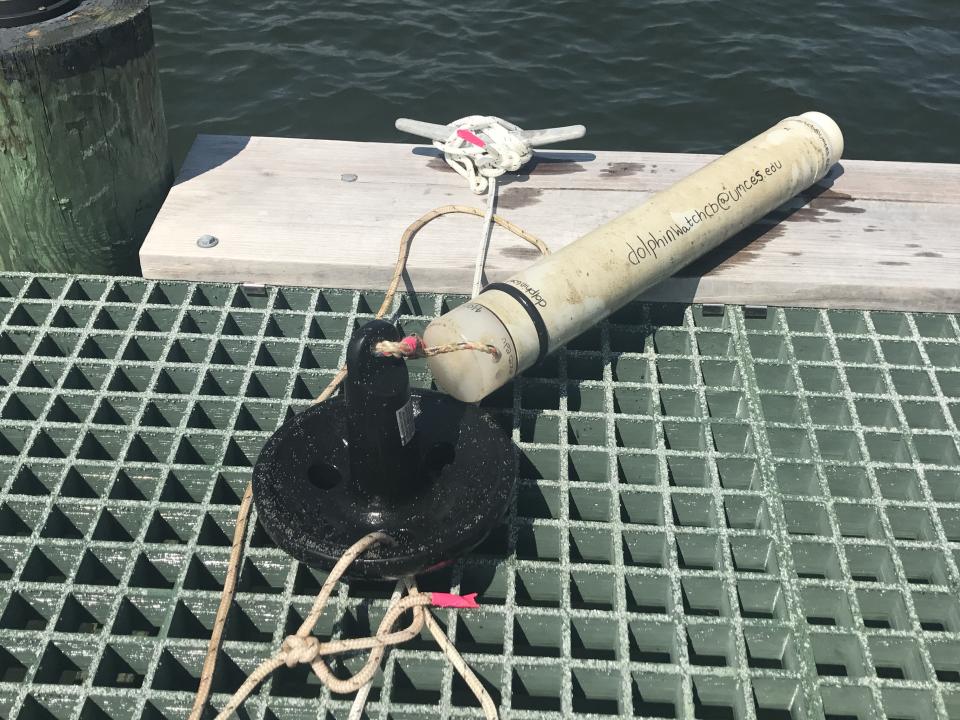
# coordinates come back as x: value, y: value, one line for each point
x: 721, y: 512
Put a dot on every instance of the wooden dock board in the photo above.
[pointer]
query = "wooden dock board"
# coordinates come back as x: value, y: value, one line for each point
x: 872, y: 235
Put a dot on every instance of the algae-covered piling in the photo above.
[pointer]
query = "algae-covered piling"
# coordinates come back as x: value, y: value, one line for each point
x: 84, y: 161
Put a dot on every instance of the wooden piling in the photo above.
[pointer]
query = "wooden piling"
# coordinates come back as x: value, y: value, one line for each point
x: 84, y: 158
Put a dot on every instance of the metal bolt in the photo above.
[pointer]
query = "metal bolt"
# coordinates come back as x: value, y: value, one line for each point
x: 254, y: 289
x: 348, y: 177
x: 207, y: 241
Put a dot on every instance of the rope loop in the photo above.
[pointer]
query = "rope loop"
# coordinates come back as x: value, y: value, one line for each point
x: 483, y: 147
x: 304, y: 648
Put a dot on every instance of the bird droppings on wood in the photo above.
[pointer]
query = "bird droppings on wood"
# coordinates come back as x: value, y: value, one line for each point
x: 516, y: 197
x: 623, y: 169
x: 521, y: 252
x: 844, y: 209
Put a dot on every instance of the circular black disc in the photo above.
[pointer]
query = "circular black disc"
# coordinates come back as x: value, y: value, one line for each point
x: 459, y: 491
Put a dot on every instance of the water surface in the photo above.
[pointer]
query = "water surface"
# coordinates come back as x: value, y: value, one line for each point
x: 666, y: 75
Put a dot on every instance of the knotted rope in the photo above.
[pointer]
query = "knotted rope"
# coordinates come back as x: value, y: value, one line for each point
x: 305, y: 648
x: 482, y: 147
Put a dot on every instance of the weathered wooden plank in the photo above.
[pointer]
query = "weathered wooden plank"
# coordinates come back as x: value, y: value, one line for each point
x: 609, y: 170
x: 311, y: 212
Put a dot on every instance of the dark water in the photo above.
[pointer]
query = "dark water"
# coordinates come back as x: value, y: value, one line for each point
x: 668, y: 75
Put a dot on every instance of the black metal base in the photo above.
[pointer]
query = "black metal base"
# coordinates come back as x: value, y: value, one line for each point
x: 458, y: 491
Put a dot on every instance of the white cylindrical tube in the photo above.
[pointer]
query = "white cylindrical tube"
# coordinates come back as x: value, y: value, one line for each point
x: 563, y: 294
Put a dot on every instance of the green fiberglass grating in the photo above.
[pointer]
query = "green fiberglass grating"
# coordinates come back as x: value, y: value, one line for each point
x: 717, y: 515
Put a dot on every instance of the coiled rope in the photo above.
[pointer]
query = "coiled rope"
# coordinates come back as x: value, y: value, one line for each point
x: 483, y: 147
x: 306, y: 646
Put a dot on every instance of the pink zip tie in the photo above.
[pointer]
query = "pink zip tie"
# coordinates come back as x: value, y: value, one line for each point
x: 410, y: 346
x: 413, y: 342
x: 464, y: 134
x: 449, y: 600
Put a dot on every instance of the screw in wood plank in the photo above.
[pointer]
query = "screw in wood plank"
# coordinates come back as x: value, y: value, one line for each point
x: 207, y: 241
x: 348, y: 177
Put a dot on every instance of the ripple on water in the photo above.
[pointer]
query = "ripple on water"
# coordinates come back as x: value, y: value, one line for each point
x: 692, y: 76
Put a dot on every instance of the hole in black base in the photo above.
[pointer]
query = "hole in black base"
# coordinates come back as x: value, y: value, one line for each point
x: 437, y: 458
x: 323, y: 476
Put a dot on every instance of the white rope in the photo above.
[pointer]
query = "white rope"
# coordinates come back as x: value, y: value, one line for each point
x: 360, y: 701
x: 485, y: 237
x: 501, y: 148
x: 305, y: 648
x: 481, y: 148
